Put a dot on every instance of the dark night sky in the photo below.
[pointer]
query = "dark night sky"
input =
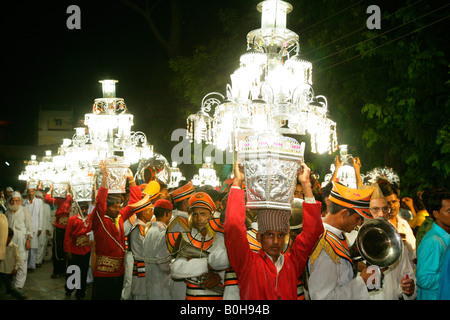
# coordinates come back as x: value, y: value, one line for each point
x: 45, y: 63
x: 48, y: 63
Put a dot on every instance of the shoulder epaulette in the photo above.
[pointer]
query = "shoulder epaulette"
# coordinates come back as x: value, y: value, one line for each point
x: 335, y: 248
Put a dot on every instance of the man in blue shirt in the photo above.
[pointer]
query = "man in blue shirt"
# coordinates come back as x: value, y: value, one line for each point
x: 431, y: 251
x: 444, y: 282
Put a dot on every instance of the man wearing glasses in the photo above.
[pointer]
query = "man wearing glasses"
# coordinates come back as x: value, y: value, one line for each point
x: 399, y: 278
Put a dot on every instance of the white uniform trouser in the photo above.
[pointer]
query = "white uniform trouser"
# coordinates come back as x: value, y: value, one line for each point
x: 126, y: 290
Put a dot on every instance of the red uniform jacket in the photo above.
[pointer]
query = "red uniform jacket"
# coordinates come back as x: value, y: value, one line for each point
x: 76, y: 238
x: 63, y: 210
x: 110, y: 252
x: 257, y: 274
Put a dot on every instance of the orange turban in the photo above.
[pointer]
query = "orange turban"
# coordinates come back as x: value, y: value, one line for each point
x: 202, y: 200
x: 357, y: 199
x: 141, y: 204
x: 182, y: 192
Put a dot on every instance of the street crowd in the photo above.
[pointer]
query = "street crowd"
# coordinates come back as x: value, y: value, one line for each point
x: 202, y: 243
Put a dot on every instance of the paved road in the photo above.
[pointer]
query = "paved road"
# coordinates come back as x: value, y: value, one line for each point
x: 40, y: 286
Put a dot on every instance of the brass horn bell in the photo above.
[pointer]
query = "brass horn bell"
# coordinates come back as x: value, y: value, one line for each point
x: 378, y: 242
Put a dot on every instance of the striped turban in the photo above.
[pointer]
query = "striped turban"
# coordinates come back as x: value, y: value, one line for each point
x: 182, y: 192
x: 113, y: 199
x: 356, y: 199
x: 151, y: 192
x: 141, y: 204
x: 201, y: 200
x: 273, y: 219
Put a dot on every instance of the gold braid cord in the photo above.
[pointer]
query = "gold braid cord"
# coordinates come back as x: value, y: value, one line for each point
x: 324, y: 245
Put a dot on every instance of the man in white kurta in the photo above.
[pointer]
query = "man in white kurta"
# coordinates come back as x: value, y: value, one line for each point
x: 35, y: 206
x: 19, y: 219
x: 391, y: 288
x: 399, y: 278
x: 47, y: 227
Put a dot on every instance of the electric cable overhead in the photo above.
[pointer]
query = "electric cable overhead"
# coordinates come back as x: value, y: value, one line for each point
x: 327, y: 18
x: 383, y: 33
x: 386, y: 43
x: 360, y: 29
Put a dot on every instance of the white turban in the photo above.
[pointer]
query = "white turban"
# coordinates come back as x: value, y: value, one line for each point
x: 32, y: 185
x: 16, y: 194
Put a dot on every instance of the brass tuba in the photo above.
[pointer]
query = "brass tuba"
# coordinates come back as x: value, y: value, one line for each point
x: 378, y: 242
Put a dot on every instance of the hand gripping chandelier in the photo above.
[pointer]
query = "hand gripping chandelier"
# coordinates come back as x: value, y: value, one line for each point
x: 270, y: 93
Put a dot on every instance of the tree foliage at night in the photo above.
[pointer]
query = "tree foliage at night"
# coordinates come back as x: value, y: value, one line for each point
x: 409, y: 117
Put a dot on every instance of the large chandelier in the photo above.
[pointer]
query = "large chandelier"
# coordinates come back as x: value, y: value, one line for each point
x: 108, y: 136
x: 271, y: 92
x: 109, y: 127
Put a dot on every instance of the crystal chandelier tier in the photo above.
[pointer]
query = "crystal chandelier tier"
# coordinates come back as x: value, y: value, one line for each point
x: 270, y: 92
x: 109, y: 127
x: 206, y: 175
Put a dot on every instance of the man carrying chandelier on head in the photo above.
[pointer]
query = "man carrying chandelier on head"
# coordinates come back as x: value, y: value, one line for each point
x: 63, y: 205
x: 270, y: 274
x: 107, y: 225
